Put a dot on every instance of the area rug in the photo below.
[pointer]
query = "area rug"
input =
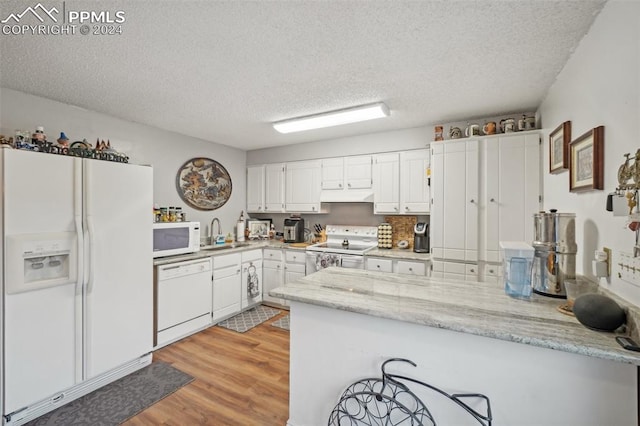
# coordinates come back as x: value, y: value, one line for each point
x: 282, y: 322
x: 120, y: 400
x: 249, y: 319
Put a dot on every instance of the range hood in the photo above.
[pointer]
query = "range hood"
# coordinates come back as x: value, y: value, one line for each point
x: 347, y: 196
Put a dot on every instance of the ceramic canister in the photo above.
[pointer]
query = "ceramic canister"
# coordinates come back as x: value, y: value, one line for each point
x: 472, y: 130
x: 489, y: 128
x: 438, y: 133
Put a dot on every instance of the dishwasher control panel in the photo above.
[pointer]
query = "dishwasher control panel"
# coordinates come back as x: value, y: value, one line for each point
x: 181, y: 269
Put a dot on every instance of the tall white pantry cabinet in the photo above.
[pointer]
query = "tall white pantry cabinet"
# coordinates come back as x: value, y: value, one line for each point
x: 484, y: 190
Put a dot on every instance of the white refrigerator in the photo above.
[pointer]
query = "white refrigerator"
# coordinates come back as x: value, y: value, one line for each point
x: 77, y: 278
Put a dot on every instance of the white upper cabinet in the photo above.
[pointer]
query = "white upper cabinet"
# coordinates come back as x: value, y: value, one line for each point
x: 414, y: 181
x: 255, y: 189
x: 347, y: 179
x: 358, y: 172
x: 274, y: 182
x: 333, y: 173
x: 386, y: 184
x: 302, y: 186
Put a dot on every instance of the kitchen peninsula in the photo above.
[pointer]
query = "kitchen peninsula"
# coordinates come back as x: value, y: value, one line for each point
x: 537, y: 365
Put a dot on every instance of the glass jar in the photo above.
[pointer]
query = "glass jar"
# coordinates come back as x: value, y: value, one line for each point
x: 172, y: 214
x: 178, y: 214
x: 164, y: 214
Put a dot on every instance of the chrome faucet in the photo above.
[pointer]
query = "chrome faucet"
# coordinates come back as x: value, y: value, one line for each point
x: 211, y: 238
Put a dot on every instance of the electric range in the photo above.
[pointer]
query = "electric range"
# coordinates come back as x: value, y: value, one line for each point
x: 345, y: 247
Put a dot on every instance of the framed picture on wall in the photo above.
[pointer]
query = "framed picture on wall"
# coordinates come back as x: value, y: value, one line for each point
x: 559, y: 141
x: 258, y: 228
x: 586, y: 161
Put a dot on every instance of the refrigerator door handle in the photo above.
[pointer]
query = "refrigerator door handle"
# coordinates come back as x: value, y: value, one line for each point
x: 77, y: 213
x: 79, y: 254
x: 90, y: 257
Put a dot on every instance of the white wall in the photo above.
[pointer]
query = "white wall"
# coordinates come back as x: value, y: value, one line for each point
x: 165, y: 151
x: 599, y: 85
x: 395, y: 140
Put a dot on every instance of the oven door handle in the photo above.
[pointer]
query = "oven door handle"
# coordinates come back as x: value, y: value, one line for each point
x: 352, y: 261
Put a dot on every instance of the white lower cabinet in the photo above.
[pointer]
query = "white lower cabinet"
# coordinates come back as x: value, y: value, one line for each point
x: 409, y: 267
x: 295, y: 266
x: 456, y: 271
x: 251, y: 289
x: 273, y: 277
x: 398, y: 266
x: 227, y: 276
x: 272, y: 274
x: 377, y: 264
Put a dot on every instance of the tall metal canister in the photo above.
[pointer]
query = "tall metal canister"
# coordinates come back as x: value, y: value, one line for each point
x: 555, y: 252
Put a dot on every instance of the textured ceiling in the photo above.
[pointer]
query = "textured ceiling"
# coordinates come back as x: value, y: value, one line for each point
x: 223, y: 70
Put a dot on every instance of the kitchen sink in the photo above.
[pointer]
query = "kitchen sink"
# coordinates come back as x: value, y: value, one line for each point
x: 216, y: 247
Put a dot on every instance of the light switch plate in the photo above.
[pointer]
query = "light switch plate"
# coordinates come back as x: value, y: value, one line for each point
x: 628, y: 268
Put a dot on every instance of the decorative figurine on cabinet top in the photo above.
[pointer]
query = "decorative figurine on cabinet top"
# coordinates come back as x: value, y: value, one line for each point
x: 63, y: 140
x: 455, y: 133
x: 39, y: 134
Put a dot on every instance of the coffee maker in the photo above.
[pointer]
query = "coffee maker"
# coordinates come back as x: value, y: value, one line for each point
x: 421, y: 237
x: 294, y: 230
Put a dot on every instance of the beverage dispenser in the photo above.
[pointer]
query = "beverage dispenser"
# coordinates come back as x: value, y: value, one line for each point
x: 555, y: 252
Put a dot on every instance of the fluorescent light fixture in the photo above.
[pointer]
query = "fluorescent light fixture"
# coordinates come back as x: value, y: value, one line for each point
x: 333, y: 118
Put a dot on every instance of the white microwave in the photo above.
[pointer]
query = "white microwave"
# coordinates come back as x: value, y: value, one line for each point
x: 171, y: 238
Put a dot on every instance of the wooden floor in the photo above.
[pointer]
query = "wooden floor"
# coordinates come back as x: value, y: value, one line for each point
x: 240, y: 379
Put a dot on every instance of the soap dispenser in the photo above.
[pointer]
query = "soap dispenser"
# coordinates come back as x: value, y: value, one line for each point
x: 240, y: 228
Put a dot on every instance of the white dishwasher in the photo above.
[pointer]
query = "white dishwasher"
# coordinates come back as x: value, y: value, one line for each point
x: 183, y: 299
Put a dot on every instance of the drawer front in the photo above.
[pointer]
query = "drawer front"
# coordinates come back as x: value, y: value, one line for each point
x: 294, y: 256
x: 272, y: 254
x: 382, y: 265
x: 413, y: 268
x: 226, y: 260
x: 295, y: 267
x: 472, y: 272
x: 271, y: 264
x: 251, y: 255
x: 493, y: 271
x: 455, y: 268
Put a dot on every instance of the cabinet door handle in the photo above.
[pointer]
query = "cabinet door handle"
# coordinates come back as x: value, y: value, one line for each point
x: 339, y: 185
x: 491, y: 271
x: 472, y: 201
x: 472, y: 270
x: 492, y: 200
x: 278, y: 267
x: 411, y: 269
x: 265, y: 207
x: 238, y: 271
x: 406, y: 208
x: 378, y: 266
x: 349, y: 185
x: 395, y: 208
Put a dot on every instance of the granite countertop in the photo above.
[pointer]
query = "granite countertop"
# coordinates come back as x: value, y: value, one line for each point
x: 479, y: 308
x: 249, y: 245
x: 396, y: 253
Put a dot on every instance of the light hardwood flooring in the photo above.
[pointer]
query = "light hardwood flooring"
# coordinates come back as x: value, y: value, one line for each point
x: 240, y: 379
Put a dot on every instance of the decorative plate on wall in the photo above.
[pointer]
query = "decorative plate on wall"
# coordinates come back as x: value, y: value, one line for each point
x: 203, y: 183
